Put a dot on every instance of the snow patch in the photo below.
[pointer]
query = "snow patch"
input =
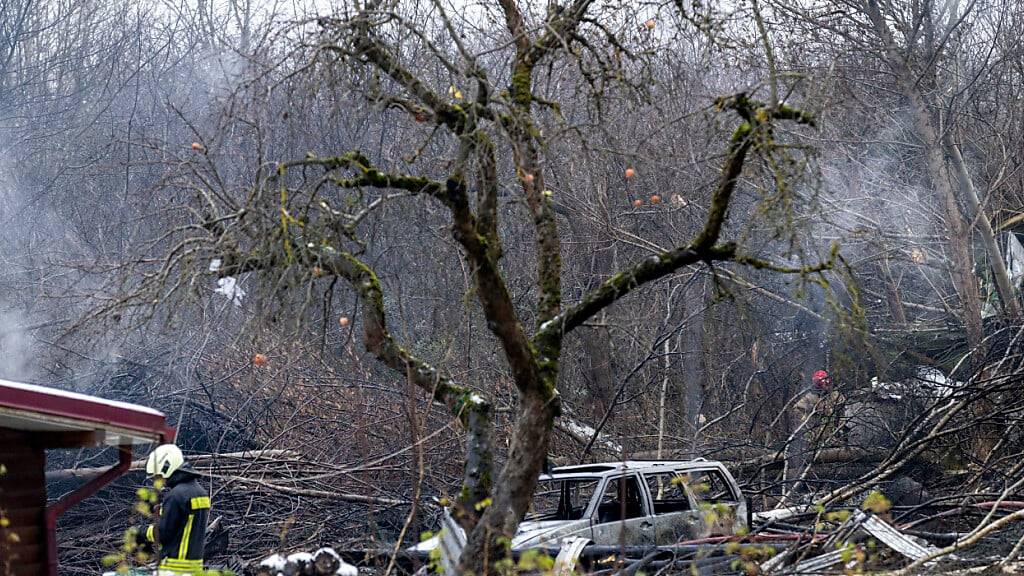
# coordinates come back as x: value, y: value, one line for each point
x: 76, y: 396
x: 275, y: 562
x: 301, y: 558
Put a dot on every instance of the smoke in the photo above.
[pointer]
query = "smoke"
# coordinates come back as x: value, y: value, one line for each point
x: 17, y: 346
x: 17, y: 349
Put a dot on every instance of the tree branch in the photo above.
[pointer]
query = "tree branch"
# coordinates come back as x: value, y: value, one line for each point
x: 757, y: 120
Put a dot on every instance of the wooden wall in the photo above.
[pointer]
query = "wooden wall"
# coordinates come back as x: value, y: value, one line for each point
x: 22, y: 503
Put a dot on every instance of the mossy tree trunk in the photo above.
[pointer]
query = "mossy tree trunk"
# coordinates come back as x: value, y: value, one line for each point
x: 490, y: 506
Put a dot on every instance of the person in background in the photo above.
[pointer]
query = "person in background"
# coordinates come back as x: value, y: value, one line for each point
x: 821, y: 386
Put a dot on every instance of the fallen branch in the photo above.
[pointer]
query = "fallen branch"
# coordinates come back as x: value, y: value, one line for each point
x: 310, y: 493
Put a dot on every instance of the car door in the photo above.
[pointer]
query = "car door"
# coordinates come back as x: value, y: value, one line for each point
x: 715, y: 498
x: 622, y: 516
x: 558, y: 509
x: 675, y: 518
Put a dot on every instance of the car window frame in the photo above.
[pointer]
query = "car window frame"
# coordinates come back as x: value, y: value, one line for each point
x: 592, y: 505
x: 645, y: 497
x: 729, y: 484
x: 673, y: 474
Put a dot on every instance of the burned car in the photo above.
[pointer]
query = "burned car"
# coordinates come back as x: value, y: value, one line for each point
x: 635, y: 503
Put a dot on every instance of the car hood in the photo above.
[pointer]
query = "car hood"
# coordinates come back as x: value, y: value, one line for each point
x: 535, y: 533
x: 529, y: 534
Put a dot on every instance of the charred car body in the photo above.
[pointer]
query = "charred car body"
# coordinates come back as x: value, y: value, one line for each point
x: 633, y: 503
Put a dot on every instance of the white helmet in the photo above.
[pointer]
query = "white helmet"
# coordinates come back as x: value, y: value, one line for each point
x: 164, y: 461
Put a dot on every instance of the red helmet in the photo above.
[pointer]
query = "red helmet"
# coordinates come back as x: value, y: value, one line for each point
x: 821, y: 379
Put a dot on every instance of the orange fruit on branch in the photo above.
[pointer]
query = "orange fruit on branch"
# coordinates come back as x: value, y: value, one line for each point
x: 260, y: 360
x: 638, y: 202
x: 630, y: 172
x: 655, y: 199
x: 343, y: 321
x: 197, y: 147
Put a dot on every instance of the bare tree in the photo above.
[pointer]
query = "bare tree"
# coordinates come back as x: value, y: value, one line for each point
x: 303, y: 220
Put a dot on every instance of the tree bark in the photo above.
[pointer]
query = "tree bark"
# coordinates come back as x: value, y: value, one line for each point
x: 511, y: 497
x: 478, y: 474
x: 1007, y: 299
x: 693, y: 366
x: 533, y: 362
x: 892, y: 294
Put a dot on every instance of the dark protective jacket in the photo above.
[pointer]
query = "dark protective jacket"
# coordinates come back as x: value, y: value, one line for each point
x: 184, y: 513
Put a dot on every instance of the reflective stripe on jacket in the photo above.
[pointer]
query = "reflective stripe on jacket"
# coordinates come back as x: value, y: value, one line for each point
x: 184, y: 513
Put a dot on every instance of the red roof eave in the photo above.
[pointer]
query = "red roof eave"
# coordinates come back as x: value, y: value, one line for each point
x: 83, y: 408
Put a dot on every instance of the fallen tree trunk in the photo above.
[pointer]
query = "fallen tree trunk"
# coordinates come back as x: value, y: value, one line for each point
x: 311, y: 493
x: 248, y: 456
x: 772, y: 458
x: 826, y: 456
x: 263, y: 457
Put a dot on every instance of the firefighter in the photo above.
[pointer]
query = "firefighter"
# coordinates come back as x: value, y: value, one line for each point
x: 817, y: 425
x: 820, y: 409
x: 811, y: 398
x: 184, y: 512
x: 821, y: 380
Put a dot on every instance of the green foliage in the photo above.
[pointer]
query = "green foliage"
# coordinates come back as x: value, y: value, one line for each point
x: 853, y: 557
x: 750, y: 556
x: 833, y: 517
x: 532, y: 560
x: 434, y: 565
x: 876, y: 502
x: 529, y: 561
x: 837, y: 516
x: 130, y: 553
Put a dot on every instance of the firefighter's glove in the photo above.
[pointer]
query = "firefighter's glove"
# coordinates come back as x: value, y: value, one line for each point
x: 144, y: 537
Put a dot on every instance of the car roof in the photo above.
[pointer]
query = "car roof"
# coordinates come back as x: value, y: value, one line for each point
x: 606, y: 468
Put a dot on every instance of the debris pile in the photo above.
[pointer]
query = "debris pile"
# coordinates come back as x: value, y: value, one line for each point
x: 780, y: 544
x: 858, y: 541
x: 323, y: 562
